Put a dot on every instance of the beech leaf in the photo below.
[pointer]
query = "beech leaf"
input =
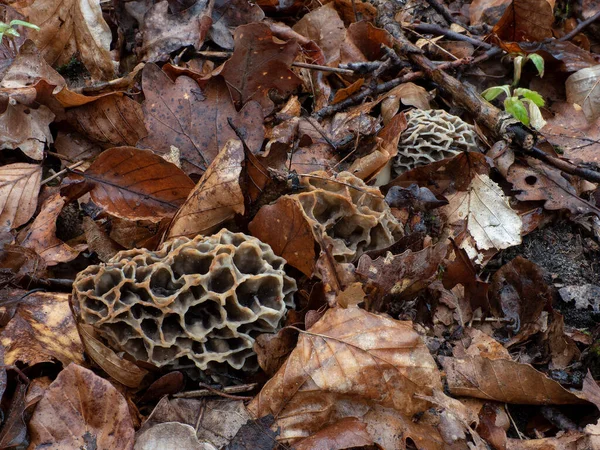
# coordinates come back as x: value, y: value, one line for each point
x: 19, y: 188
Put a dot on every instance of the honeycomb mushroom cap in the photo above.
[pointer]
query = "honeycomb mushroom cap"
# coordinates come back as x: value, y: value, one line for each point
x: 351, y: 217
x: 432, y: 135
x: 193, y: 302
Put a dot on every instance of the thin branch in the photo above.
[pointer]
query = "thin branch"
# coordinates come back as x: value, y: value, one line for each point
x: 580, y: 27
x: 436, y: 29
x: 62, y: 172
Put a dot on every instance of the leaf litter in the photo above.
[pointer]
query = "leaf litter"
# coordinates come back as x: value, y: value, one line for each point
x: 452, y: 304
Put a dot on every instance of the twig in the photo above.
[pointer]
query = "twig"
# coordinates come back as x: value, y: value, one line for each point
x: 323, y: 68
x: 442, y: 11
x: 436, y: 29
x: 580, y: 27
x: 225, y: 392
x: 513, y: 422
x: 586, y: 174
x: 62, y: 172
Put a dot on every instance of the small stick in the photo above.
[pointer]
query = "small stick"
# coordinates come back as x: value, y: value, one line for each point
x: 441, y: 10
x: 62, y: 172
x: 225, y: 392
x: 580, y: 27
x: 586, y: 174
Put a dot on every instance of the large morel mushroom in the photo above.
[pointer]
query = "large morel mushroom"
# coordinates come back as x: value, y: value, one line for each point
x: 197, y: 302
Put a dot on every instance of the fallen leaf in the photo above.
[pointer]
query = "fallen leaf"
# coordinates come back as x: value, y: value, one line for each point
x: 194, y: 118
x: 272, y: 349
x: 136, y: 184
x: 228, y: 15
x: 173, y: 435
x: 26, y: 129
x: 76, y: 147
x: 70, y: 27
x: 259, y: 64
x: 163, y: 33
x: 14, y: 428
x: 526, y: 20
x: 487, y: 11
x: 42, y: 330
x: 348, y: 354
x: 81, y: 410
x: 539, y: 181
x: 98, y: 240
x: 19, y: 189
x: 168, y: 384
x: 284, y: 226
x: 503, y: 381
x: 323, y: 26
x: 42, y: 234
x: 216, y: 198
x: 414, y: 197
x: 349, y: 432
x: 113, y: 121
x: 583, y: 89
x: 364, y: 42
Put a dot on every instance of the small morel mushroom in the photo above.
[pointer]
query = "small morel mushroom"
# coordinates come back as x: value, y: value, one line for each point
x: 432, y: 135
x: 349, y: 215
x: 199, y: 302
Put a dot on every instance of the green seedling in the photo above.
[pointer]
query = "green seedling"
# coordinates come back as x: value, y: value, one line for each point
x: 523, y: 104
x: 10, y: 30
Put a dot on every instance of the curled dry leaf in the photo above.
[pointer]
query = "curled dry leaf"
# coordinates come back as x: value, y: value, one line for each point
x: 136, y: 184
x: 285, y: 228
x: 113, y: 121
x: 503, y: 380
x: 526, y: 20
x: 163, y: 33
x: 19, y: 189
x: 78, y: 409
x: 583, y: 88
x: 26, y: 129
x: 216, y: 198
x: 42, y: 330
x: 42, y: 234
x: 194, y: 118
x: 350, y: 354
x: 259, y: 64
x: 70, y: 27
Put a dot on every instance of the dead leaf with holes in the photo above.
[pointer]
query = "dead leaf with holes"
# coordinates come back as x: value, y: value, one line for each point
x: 42, y: 234
x: 111, y: 121
x: 163, y: 32
x: 80, y: 408
x: 42, y: 330
x: 216, y: 198
x: 259, y: 64
x: 354, y: 364
x: 193, y: 118
x: 19, y: 189
x: 70, y: 27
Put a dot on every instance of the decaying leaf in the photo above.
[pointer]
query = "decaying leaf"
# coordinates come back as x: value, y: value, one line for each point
x: 216, y: 198
x: 348, y: 354
x: 526, y: 20
x: 194, y: 118
x: 348, y: 432
x: 583, y: 88
x: 27, y: 129
x: 323, y: 26
x: 19, y: 188
x: 170, y: 435
x: 70, y: 27
x: 93, y: 414
x: 42, y: 234
x: 228, y: 15
x: 259, y: 64
x: 136, y: 184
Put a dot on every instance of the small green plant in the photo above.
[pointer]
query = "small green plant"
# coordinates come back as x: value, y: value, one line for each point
x: 520, y: 59
x: 10, y: 30
x: 515, y: 102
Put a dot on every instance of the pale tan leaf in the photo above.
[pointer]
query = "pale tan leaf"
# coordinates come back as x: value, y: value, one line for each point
x: 583, y: 88
x: 42, y: 330
x: 323, y: 26
x: 171, y: 435
x: 19, y: 189
x: 70, y: 27
x: 347, y: 363
x: 79, y: 408
x: 216, y: 198
x: 26, y: 129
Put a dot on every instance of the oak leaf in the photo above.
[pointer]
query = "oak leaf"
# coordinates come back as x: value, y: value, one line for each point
x: 19, y: 189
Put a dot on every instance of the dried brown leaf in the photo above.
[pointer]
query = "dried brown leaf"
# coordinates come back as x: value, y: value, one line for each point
x: 81, y: 410
x: 113, y: 121
x: 42, y: 330
x: 136, y: 184
x: 163, y: 33
x: 284, y: 226
x: 348, y: 354
x: 19, y: 189
x: 98, y: 240
x: 526, y: 20
x: 170, y: 435
x: 193, y: 118
x: 216, y: 198
x: 323, y: 26
x: 349, y: 432
x: 26, y: 129
x: 42, y: 234
x: 228, y: 15
x: 259, y: 64
x: 76, y: 148
x: 583, y: 88
x: 70, y: 27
